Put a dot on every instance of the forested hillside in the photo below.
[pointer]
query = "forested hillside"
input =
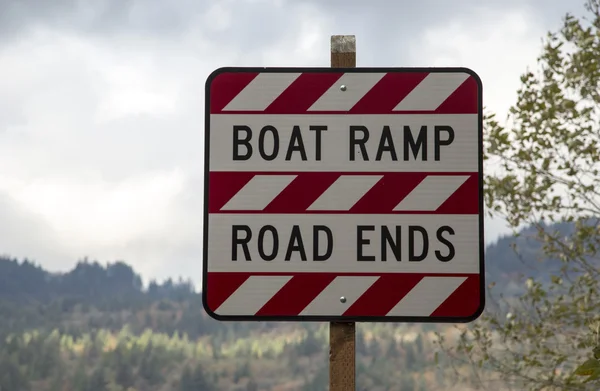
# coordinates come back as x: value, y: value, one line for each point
x: 98, y: 328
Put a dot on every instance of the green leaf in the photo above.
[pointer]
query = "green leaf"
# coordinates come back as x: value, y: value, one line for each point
x: 588, y: 368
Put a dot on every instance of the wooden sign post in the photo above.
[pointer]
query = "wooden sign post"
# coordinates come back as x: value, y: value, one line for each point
x: 343, y: 195
x: 342, y: 335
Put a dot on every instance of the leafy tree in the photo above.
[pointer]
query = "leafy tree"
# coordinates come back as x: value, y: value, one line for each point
x: 544, y: 166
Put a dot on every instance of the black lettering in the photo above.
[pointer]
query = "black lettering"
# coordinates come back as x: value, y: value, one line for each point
x: 451, y: 250
x: 261, y: 240
x: 296, y: 144
x: 237, y: 141
x: 360, y: 142
x: 412, y: 257
x: 317, y: 129
x: 295, y: 244
x: 261, y: 142
x: 438, y: 142
x: 420, y: 143
x: 360, y: 241
x: 328, y: 249
x: 386, y: 144
x: 386, y: 238
x: 236, y: 240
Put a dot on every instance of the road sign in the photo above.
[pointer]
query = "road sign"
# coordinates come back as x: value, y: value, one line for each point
x: 343, y: 194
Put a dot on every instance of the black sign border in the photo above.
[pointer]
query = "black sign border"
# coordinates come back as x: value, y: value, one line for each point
x: 320, y: 318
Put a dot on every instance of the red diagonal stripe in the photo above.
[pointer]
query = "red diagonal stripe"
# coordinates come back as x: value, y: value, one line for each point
x: 296, y: 295
x: 302, y: 192
x: 383, y: 295
x: 388, y: 92
x: 307, y: 187
x: 465, y: 200
x: 302, y: 93
x: 463, y: 302
x: 222, y: 285
x: 462, y: 101
x: 388, y: 192
x: 223, y: 186
x: 226, y: 86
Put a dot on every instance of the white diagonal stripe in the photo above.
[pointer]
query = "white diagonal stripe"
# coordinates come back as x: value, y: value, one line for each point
x: 261, y: 91
x: 432, y: 91
x: 345, y: 192
x: 426, y: 296
x: 258, y: 192
x: 357, y: 85
x: 431, y: 193
x: 252, y: 295
x: 328, y: 302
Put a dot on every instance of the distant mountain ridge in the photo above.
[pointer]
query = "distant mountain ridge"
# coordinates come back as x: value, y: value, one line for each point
x: 99, y: 324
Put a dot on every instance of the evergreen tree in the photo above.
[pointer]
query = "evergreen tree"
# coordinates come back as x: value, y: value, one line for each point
x: 185, y: 382
x: 11, y: 376
x: 124, y: 375
x: 150, y: 368
x: 195, y: 380
x: 98, y: 381
x: 80, y: 378
x: 310, y: 344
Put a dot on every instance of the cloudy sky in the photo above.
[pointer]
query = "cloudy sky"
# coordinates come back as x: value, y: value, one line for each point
x: 101, y: 103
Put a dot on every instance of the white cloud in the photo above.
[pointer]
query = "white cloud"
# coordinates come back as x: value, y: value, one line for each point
x: 100, y: 146
x: 101, y: 137
x: 89, y: 213
x: 218, y: 17
x: 305, y: 45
